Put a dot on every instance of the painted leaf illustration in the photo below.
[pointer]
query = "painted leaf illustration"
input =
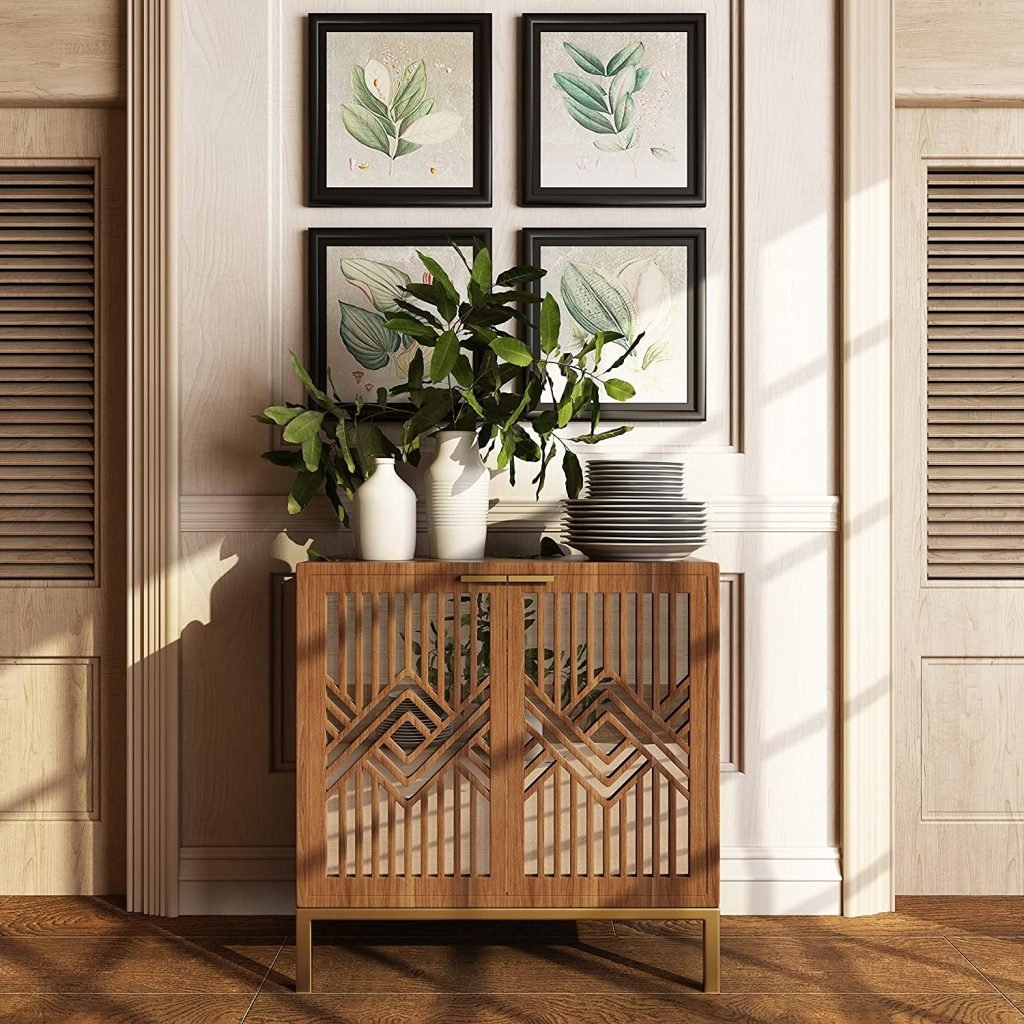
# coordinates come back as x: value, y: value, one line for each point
x: 642, y: 74
x: 624, y: 112
x: 632, y: 53
x: 420, y: 110
x: 609, y: 146
x: 663, y: 154
x: 631, y: 138
x: 362, y: 95
x: 596, y: 301
x: 364, y: 127
x: 438, y: 126
x: 381, y: 283
x: 591, y: 120
x: 648, y: 288
x: 622, y: 84
x: 584, y: 58
x: 365, y: 336
x: 404, y: 147
x: 411, y: 89
x: 583, y: 92
x: 378, y: 81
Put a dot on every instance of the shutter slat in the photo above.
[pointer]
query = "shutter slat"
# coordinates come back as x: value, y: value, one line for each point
x: 975, y: 387
x: 47, y: 374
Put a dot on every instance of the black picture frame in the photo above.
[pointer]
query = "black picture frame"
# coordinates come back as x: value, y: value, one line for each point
x: 319, y: 240
x: 694, y: 239
x: 320, y: 27
x: 532, y: 192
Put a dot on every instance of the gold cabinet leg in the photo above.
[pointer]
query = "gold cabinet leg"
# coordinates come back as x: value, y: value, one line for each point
x: 712, y: 952
x: 303, y: 951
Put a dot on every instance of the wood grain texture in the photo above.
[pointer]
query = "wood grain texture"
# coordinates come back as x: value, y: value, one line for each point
x: 578, y: 1008
x: 951, y: 54
x: 422, y: 647
x: 85, y: 855
x: 123, y: 1009
x: 1000, y: 960
x: 70, y: 54
x: 967, y: 839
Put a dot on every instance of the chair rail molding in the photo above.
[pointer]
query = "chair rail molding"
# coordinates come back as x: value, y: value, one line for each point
x: 866, y: 290
x: 152, y: 423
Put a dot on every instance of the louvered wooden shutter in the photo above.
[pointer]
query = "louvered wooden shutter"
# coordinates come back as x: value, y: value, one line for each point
x: 975, y: 374
x: 47, y: 373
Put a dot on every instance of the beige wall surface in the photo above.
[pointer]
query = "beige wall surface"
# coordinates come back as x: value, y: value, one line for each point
x: 764, y: 457
x: 65, y: 54
x: 963, y: 52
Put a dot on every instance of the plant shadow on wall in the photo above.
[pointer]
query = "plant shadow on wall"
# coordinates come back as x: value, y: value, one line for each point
x: 466, y: 373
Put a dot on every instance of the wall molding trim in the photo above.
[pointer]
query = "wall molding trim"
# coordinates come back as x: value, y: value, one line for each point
x: 755, y: 880
x: 152, y: 436
x: 866, y: 302
x: 262, y: 513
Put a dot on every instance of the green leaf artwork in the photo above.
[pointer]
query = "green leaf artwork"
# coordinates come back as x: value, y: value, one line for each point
x: 605, y: 104
x: 392, y: 113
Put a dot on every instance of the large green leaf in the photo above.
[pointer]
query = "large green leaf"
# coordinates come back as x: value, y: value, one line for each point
x: 411, y: 90
x: 365, y: 336
x: 584, y: 58
x: 512, y: 350
x: 603, y: 436
x: 305, y: 486
x: 573, y: 473
x: 363, y: 96
x: 631, y: 53
x: 303, y: 427
x: 364, y: 128
x: 596, y: 301
x: 283, y: 414
x: 312, y: 448
x: 381, y: 283
x: 445, y: 353
x: 550, y: 323
x: 482, y: 269
x: 584, y: 92
x: 619, y: 390
x: 420, y: 110
x: 517, y: 275
x: 624, y: 112
x: 591, y: 121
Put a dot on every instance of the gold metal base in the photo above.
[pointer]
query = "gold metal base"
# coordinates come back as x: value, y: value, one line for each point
x: 709, y: 916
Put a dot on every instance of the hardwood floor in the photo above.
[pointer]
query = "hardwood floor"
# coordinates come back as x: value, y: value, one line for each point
x: 934, y: 960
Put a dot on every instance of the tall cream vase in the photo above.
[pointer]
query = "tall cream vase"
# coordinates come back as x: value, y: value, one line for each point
x: 384, y: 514
x: 457, y: 487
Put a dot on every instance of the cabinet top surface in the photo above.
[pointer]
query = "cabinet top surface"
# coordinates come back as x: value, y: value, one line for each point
x: 688, y: 567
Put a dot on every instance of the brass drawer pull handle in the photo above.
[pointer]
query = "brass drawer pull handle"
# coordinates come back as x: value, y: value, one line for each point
x: 526, y: 578
x: 483, y: 579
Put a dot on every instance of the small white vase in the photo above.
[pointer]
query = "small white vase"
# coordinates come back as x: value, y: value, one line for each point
x: 457, y: 488
x: 385, y: 516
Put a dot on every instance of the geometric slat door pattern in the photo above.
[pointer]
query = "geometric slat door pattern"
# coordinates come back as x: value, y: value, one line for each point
x: 47, y: 372
x: 975, y: 372
x: 958, y: 501
x: 443, y: 760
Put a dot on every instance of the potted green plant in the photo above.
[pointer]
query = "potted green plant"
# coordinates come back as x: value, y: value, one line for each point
x: 483, y: 394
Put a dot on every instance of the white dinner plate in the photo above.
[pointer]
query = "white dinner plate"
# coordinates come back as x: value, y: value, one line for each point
x: 636, y: 552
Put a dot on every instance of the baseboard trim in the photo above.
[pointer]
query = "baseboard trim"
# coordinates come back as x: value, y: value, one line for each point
x: 755, y: 880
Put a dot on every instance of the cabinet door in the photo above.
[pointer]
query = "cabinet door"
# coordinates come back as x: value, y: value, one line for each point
x: 396, y: 729
x: 613, y: 705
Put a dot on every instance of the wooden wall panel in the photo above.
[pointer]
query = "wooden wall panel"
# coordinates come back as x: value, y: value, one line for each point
x: 66, y: 54
x: 953, y: 53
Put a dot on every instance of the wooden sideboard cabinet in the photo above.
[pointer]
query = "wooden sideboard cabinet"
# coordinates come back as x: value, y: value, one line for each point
x: 507, y: 739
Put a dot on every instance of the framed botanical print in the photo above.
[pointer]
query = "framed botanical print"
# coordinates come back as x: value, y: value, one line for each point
x: 356, y: 280
x: 630, y: 281
x: 399, y: 110
x: 613, y: 109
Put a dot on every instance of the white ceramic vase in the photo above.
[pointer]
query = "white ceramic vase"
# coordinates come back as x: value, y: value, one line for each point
x: 457, y: 488
x: 384, y: 515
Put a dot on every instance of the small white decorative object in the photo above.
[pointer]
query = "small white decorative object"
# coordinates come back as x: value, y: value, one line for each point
x: 385, y: 516
x: 457, y: 489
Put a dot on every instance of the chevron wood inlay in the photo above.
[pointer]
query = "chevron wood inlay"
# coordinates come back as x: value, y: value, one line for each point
x: 473, y: 735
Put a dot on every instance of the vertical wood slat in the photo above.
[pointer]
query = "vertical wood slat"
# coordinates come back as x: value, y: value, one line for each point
x: 975, y: 396
x: 48, y: 366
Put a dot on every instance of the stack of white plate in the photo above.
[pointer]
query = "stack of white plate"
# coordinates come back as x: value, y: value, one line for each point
x: 635, y: 511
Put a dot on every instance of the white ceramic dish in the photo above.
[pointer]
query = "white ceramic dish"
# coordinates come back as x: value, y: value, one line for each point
x: 635, y: 552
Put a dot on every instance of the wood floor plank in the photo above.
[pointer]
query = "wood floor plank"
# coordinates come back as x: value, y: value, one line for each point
x: 114, y: 964
x: 123, y: 1009
x: 457, y: 1008
x: 802, y: 964
x: 985, y: 915
x: 1000, y: 959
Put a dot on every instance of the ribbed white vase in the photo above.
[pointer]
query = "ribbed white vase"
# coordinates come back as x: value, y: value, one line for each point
x: 384, y: 516
x: 457, y: 487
